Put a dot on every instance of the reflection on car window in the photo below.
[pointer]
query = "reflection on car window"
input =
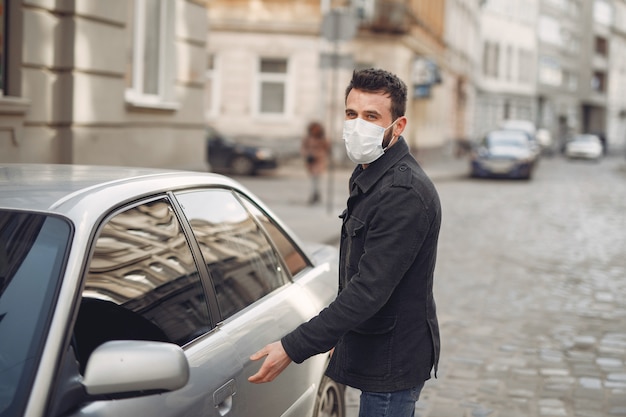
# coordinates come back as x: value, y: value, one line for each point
x: 142, y: 282
x: 242, y: 263
x: 507, y: 138
x: 293, y: 258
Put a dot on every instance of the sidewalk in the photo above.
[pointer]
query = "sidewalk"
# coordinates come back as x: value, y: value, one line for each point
x: 286, y: 194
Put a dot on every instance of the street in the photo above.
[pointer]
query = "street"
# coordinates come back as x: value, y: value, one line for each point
x: 531, y: 291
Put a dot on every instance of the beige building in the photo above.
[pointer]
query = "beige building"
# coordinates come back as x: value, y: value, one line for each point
x: 135, y: 82
x: 462, y: 34
x: 117, y: 82
x: 275, y: 65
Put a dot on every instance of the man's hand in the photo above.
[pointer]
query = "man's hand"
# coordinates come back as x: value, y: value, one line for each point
x: 275, y: 362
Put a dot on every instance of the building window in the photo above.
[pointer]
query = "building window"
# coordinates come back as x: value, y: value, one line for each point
x: 211, y: 100
x: 550, y: 30
x: 491, y: 58
x: 602, y: 12
x: 571, y: 81
x: 272, y: 86
x: 550, y: 72
x: 525, y: 68
x: 598, y: 82
x: 150, y: 54
x: 509, y: 63
x: 601, y: 46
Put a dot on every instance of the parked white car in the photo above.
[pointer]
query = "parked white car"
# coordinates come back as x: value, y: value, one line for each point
x: 584, y: 146
x: 142, y: 292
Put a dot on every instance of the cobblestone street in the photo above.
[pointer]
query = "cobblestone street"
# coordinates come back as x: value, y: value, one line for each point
x: 530, y: 290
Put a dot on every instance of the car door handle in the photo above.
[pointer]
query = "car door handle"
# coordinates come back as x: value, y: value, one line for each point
x: 223, y: 397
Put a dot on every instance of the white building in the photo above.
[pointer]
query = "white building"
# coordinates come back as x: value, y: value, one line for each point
x: 507, y: 82
x: 616, y: 108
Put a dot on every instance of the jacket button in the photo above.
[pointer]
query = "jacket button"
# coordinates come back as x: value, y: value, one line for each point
x: 402, y: 168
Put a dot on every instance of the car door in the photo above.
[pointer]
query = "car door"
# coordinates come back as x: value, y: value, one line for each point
x: 257, y: 300
x: 142, y: 282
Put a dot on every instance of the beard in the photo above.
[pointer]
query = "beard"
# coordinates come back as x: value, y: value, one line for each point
x: 387, y: 138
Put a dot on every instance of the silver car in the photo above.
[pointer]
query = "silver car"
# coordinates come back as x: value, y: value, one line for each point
x: 142, y: 292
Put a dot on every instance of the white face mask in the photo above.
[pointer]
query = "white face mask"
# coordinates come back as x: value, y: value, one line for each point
x: 364, y: 140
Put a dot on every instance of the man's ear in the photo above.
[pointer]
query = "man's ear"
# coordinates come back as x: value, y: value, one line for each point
x: 398, y: 128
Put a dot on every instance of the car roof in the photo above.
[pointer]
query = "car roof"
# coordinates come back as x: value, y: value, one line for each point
x: 520, y: 124
x: 58, y: 188
x: 508, y: 133
x: 586, y: 136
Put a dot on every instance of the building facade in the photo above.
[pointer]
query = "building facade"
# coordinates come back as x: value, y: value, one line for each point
x: 135, y: 82
x: 594, y: 76
x: 265, y: 72
x: 278, y: 65
x: 462, y: 35
x: 560, y: 45
x: 616, y: 85
x: 507, y: 82
x: 117, y: 82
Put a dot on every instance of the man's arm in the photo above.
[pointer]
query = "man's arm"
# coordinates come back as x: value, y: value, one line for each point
x: 275, y: 362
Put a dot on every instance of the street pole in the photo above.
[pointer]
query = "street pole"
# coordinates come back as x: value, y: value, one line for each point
x: 337, y: 25
x: 333, y: 108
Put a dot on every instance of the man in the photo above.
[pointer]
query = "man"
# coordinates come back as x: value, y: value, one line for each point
x: 382, y: 325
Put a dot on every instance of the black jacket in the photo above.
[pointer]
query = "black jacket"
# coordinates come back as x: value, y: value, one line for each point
x: 383, y: 323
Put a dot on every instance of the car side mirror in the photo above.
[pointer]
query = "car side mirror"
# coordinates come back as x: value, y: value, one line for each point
x: 125, y: 367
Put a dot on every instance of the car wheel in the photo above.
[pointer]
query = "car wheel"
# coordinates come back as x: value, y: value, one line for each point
x: 331, y: 401
x: 241, y: 165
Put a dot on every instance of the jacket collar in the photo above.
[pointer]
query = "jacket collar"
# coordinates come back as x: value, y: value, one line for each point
x: 366, y: 178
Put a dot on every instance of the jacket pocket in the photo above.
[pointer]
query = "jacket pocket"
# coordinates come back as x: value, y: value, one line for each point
x: 354, y: 234
x: 369, y: 348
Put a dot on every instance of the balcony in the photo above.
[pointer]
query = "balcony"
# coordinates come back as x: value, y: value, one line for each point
x: 385, y: 16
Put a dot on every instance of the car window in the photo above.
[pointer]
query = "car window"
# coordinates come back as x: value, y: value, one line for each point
x: 293, y: 258
x: 33, y: 248
x: 243, y: 264
x: 142, y: 282
x: 507, y: 138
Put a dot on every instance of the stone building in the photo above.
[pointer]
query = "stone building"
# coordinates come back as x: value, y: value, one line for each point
x: 276, y: 65
x: 114, y: 82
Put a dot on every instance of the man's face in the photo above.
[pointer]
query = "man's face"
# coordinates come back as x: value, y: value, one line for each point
x: 374, y: 108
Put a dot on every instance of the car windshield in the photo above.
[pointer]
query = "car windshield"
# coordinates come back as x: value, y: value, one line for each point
x: 507, y: 138
x: 32, y: 252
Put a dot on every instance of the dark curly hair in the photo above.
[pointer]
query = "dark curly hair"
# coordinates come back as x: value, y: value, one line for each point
x: 375, y: 80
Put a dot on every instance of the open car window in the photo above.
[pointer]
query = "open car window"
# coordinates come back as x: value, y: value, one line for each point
x: 142, y: 283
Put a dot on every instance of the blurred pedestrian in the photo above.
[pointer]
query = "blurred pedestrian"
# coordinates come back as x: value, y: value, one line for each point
x: 382, y: 325
x: 315, y: 149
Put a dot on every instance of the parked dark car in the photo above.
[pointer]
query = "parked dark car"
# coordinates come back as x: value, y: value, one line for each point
x: 527, y: 127
x: 143, y: 292
x: 227, y: 156
x: 503, y: 153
